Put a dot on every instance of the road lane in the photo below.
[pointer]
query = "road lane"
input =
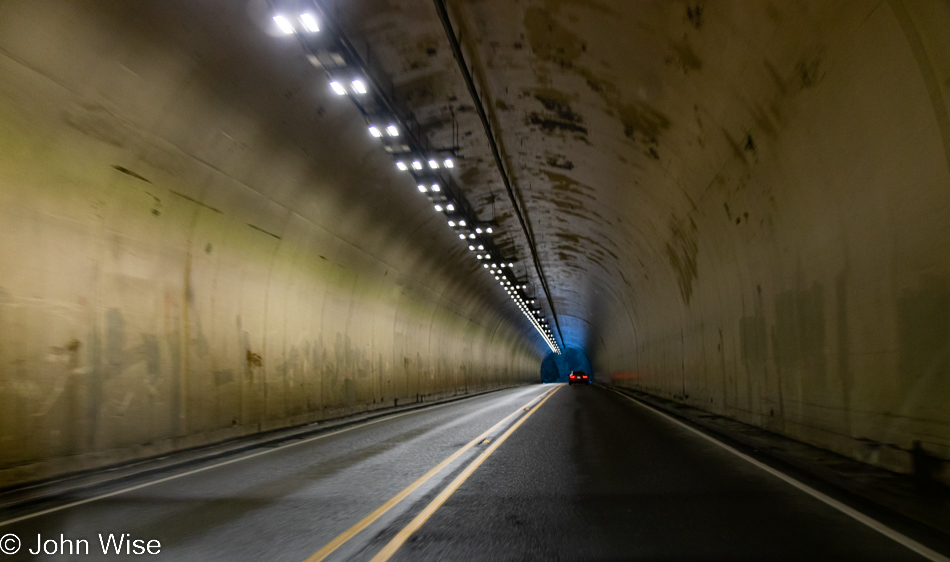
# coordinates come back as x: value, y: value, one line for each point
x: 584, y: 474
x: 593, y: 477
x: 283, y: 505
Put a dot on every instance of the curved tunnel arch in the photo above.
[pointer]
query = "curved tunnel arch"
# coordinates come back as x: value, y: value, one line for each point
x: 748, y: 215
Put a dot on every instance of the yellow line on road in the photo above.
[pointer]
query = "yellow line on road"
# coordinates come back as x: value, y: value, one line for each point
x: 414, y: 525
x: 381, y: 510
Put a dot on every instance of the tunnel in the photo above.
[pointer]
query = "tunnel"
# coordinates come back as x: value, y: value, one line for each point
x: 227, y: 220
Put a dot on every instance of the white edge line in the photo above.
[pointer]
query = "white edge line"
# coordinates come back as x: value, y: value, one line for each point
x: 224, y: 452
x: 847, y: 510
x: 220, y: 464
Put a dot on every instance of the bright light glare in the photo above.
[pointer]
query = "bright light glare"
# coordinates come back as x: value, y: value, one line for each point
x: 402, y: 166
x: 472, y: 236
x: 472, y: 248
x: 485, y: 265
x: 416, y: 165
x: 309, y: 23
x: 284, y: 24
x: 438, y: 208
x: 451, y: 223
x: 462, y: 236
x: 461, y: 223
x: 478, y: 256
x: 392, y: 130
x: 448, y: 163
x: 338, y: 88
x: 375, y: 132
x: 478, y: 230
x: 359, y: 87
x: 488, y: 230
x: 433, y: 164
x: 510, y: 264
x: 480, y: 247
x: 450, y: 207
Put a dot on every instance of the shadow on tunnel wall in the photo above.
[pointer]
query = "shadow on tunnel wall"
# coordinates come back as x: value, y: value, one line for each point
x: 557, y: 367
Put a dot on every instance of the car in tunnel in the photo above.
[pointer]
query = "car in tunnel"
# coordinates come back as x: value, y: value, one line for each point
x: 578, y: 377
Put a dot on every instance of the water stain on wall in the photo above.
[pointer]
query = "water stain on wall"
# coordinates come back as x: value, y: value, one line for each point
x: 98, y: 123
x: 799, y: 332
x: 681, y: 251
x: 754, y: 338
x: 924, y: 329
x: 551, y: 41
x: 682, y: 56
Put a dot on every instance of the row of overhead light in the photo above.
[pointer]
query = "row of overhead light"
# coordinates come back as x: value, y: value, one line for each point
x: 347, y: 78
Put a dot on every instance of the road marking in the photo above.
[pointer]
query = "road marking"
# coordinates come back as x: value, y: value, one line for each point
x: 220, y: 464
x: 896, y: 536
x: 414, y: 525
x: 381, y: 510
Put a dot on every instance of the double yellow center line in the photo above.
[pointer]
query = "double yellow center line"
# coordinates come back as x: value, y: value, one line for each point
x: 427, y: 512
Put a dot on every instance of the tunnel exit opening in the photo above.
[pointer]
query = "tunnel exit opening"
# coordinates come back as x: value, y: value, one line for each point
x: 556, y: 367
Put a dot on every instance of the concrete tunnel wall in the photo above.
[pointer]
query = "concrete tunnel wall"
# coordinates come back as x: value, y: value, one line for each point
x: 196, y: 244
x: 803, y: 280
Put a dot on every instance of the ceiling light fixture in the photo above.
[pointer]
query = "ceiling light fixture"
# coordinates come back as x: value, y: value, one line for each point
x: 284, y: 25
x: 309, y: 22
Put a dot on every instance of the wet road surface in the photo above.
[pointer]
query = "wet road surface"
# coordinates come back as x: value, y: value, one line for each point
x: 547, y: 472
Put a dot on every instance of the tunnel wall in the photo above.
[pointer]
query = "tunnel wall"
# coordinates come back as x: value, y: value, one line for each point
x: 799, y: 278
x: 195, y: 245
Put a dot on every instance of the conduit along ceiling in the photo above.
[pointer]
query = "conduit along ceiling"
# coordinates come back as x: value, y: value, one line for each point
x: 428, y: 146
x: 580, y: 100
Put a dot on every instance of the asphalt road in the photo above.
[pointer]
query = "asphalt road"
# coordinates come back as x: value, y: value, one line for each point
x: 539, y: 473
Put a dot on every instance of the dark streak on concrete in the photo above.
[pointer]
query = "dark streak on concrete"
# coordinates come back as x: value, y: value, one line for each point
x: 681, y: 251
x: 551, y: 126
x: 694, y: 14
x: 193, y: 200
x: 264, y: 231
x: 131, y: 173
x: 683, y: 56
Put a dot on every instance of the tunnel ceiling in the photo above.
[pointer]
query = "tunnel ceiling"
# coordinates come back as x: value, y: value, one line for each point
x: 613, y: 117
